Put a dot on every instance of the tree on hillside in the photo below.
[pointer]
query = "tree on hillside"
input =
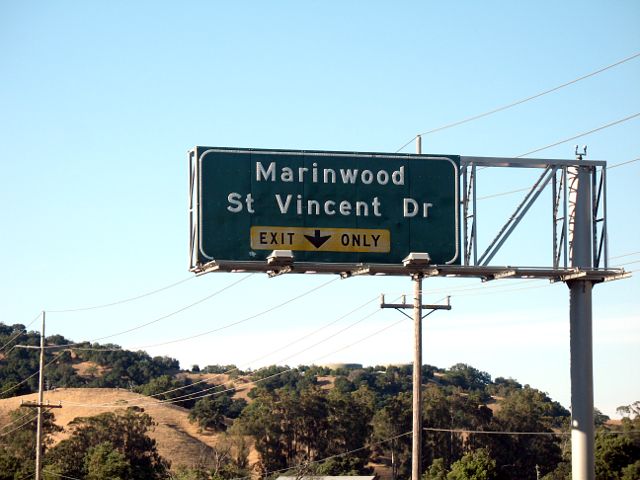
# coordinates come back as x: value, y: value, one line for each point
x: 349, y: 419
x: 262, y: 419
x: 17, y: 448
x: 292, y: 427
x: 452, y: 409
x: 476, y: 465
x: 104, y: 462
x: 390, y: 425
x: 467, y: 377
x: 118, y: 438
x: 613, y: 453
x: 630, y: 416
x: 436, y: 471
x: 275, y: 377
x: 210, y: 412
x: 526, y: 410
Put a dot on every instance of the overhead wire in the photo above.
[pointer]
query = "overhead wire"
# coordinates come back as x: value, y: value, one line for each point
x: 6, y: 425
x: 164, y: 317
x: 125, y: 300
x: 298, y: 340
x: 234, y: 323
x: 624, y: 255
x: 199, y: 394
x: 206, y: 380
x: 628, y: 263
x: 616, y: 165
x: 386, y: 440
x: 521, y: 101
x: 20, y: 332
x: 492, y: 432
x: 583, y: 134
x: 501, y: 194
x: 312, y: 462
x: 49, y: 472
x: 246, y: 319
x: 28, y: 476
x: 465, y: 289
x: 19, y: 427
x: 32, y: 375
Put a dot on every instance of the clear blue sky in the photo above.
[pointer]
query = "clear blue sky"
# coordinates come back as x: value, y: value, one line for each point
x: 100, y: 102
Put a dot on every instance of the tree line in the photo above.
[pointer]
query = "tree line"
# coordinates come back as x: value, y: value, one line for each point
x: 310, y: 420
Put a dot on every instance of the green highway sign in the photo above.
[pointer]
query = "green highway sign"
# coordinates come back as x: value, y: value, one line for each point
x: 326, y: 207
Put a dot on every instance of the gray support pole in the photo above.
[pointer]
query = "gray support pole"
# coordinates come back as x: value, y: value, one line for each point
x: 416, y: 446
x: 581, y: 335
x: 40, y: 400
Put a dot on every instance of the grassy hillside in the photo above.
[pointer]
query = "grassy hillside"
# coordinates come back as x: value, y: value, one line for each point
x: 179, y: 440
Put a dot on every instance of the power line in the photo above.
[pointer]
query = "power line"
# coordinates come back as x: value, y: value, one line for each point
x: 125, y: 300
x: 302, y: 351
x: 494, y: 195
x: 386, y: 440
x: 335, y: 334
x: 486, y: 197
x: 521, y: 101
x: 362, y: 339
x: 616, y: 165
x: 628, y: 263
x: 493, y: 432
x: 272, y: 352
x: 15, y: 421
x: 18, y: 428
x: 199, y: 394
x: 246, y: 319
x: 49, y: 472
x: 254, y: 316
x: 164, y: 317
x: 20, y: 331
x: 205, y: 380
x: 617, y: 122
x: 624, y: 255
x: 29, y: 476
x: 31, y: 376
x: 507, y: 290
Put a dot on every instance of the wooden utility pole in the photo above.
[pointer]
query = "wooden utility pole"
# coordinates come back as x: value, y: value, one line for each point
x: 416, y: 443
x: 418, y: 307
x: 39, y: 405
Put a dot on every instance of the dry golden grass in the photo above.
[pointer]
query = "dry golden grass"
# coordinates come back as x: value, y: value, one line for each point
x: 89, y: 369
x: 326, y: 382
x: 177, y: 438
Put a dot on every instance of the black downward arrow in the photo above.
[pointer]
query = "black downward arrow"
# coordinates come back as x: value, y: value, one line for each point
x: 317, y: 241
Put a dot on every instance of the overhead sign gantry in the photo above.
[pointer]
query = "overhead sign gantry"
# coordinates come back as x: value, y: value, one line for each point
x: 355, y: 213
x: 285, y: 211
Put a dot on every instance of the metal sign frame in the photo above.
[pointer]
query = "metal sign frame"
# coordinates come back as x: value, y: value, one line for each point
x: 554, y: 173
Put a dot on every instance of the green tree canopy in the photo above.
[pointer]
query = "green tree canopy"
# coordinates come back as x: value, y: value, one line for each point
x: 476, y: 465
x: 119, y: 437
x: 17, y: 448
